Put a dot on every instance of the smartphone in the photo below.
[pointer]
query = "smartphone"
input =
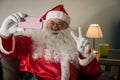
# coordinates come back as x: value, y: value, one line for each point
x: 32, y: 22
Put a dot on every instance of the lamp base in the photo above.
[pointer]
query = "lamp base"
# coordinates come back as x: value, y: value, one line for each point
x: 96, y: 53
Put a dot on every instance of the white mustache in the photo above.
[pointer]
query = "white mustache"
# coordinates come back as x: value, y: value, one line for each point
x: 53, y: 32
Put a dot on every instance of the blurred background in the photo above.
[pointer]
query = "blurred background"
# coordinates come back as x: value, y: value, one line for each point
x: 106, y: 13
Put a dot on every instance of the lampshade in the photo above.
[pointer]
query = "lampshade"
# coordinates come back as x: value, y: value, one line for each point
x: 94, y: 31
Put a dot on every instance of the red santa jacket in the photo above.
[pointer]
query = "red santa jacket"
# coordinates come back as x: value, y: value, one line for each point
x: 21, y: 48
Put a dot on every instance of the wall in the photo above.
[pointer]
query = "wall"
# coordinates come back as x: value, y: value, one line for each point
x: 82, y: 12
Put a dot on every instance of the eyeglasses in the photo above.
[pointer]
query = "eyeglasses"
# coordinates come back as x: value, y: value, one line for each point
x: 58, y: 24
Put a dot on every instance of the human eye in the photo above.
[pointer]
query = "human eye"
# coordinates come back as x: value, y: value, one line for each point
x: 60, y: 24
x: 51, y: 22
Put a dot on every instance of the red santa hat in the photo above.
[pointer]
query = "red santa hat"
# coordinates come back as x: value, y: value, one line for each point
x: 57, y: 12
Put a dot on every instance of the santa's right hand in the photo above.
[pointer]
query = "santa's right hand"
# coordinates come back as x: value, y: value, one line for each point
x: 10, y: 24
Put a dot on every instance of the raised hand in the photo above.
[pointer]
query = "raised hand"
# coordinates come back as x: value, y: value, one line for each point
x: 82, y: 43
x: 10, y: 24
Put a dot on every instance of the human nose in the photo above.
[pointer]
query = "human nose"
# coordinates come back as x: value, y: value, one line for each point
x: 55, y: 27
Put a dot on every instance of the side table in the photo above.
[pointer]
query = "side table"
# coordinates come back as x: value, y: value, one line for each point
x: 113, y: 59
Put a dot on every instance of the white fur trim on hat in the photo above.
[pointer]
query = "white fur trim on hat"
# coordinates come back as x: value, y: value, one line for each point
x: 2, y: 48
x: 58, y: 14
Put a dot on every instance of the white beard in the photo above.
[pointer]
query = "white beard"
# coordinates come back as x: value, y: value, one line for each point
x: 53, y: 47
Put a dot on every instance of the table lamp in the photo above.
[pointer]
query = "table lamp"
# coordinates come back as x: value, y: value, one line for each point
x: 94, y: 31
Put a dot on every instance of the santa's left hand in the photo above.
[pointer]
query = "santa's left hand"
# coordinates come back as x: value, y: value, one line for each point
x: 82, y: 43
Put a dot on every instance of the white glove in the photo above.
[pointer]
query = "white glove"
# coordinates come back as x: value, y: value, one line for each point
x: 10, y: 24
x: 82, y: 43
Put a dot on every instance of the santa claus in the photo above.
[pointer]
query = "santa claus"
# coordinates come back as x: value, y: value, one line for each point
x: 53, y: 53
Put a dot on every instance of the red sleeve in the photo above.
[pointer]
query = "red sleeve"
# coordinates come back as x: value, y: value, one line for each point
x: 7, y: 43
x: 92, y: 69
x: 22, y: 45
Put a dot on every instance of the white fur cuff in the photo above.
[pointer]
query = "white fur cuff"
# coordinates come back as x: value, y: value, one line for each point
x: 2, y: 48
x: 87, y: 60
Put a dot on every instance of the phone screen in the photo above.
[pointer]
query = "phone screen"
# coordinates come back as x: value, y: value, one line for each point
x: 31, y: 22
